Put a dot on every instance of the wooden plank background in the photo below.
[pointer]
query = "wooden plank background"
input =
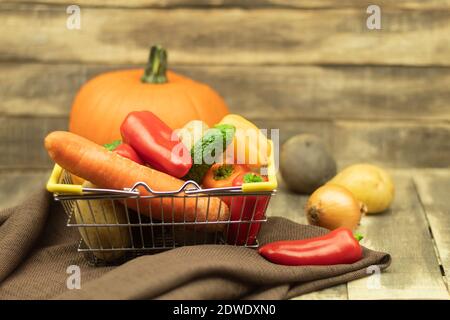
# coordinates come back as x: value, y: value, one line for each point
x: 302, y: 4
x: 227, y: 36
x: 298, y: 66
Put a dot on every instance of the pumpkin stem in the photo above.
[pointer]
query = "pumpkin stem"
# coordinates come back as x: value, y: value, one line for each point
x: 155, y: 71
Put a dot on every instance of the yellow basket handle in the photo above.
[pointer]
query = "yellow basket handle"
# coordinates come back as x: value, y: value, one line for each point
x: 271, y: 183
x: 54, y: 186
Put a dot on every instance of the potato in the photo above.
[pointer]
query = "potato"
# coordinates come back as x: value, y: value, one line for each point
x: 370, y: 184
x: 305, y: 163
x: 102, y: 237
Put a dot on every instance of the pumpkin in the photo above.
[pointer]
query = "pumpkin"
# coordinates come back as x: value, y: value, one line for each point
x: 103, y: 102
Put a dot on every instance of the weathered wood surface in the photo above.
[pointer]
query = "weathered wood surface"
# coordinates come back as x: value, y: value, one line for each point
x: 402, y: 231
x: 316, y: 4
x: 226, y: 36
x: 393, y: 144
x: 23, y: 141
x: 272, y: 92
x: 263, y: 77
x: 434, y: 190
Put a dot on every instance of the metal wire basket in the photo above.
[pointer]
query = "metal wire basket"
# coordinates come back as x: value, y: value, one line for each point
x: 116, y: 225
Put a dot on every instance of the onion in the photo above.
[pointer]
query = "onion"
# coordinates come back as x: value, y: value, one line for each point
x: 332, y: 206
x: 369, y: 184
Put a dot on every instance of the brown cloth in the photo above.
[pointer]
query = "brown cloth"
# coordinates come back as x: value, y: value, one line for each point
x: 36, y: 248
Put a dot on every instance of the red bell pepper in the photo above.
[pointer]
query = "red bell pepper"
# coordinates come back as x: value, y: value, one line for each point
x: 124, y: 150
x: 246, y: 208
x: 156, y: 143
x: 336, y: 247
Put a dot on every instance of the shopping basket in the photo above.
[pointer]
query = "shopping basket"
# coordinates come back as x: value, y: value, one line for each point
x: 113, y: 233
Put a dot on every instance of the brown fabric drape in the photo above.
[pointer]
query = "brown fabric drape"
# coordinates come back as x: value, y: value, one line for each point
x: 36, y: 248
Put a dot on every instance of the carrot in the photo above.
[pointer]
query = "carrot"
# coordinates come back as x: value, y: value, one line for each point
x: 107, y: 169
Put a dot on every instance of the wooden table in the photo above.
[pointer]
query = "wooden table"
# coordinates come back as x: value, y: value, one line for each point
x: 415, y: 231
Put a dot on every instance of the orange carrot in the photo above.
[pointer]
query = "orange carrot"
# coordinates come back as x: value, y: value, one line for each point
x: 107, y: 169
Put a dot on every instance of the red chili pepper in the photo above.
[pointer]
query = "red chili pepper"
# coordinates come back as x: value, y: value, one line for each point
x: 245, y: 208
x: 336, y: 247
x: 156, y: 143
x: 124, y: 150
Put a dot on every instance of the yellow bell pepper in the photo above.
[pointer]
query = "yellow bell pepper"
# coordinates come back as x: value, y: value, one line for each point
x: 250, y: 144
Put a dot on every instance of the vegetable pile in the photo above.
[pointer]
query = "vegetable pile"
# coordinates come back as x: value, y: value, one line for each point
x: 151, y: 152
x: 161, y: 128
x: 337, y: 200
x: 337, y: 203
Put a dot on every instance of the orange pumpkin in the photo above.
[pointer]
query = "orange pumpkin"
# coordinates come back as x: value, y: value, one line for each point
x: 103, y: 102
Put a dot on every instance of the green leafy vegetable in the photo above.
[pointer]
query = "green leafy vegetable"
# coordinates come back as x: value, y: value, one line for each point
x: 251, y: 177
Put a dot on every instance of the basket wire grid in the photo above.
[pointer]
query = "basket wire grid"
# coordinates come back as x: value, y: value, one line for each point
x: 113, y: 233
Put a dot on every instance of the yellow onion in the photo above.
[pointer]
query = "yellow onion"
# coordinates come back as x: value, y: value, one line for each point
x: 332, y: 206
x: 369, y: 184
